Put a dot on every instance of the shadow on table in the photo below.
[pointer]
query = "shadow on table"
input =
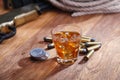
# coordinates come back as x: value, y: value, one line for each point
x: 36, y: 70
x: 56, y: 70
x: 27, y: 69
x: 82, y: 61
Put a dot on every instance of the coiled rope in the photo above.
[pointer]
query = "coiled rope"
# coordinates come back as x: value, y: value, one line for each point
x: 84, y: 7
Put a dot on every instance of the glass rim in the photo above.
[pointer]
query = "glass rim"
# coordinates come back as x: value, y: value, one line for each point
x: 74, y: 25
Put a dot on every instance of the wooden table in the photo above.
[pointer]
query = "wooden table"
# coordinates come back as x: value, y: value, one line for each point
x: 15, y: 62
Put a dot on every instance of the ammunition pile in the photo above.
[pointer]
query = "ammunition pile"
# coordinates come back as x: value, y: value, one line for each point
x: 87, y: 46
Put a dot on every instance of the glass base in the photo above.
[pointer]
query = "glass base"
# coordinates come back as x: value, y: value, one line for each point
x: 66, y: 62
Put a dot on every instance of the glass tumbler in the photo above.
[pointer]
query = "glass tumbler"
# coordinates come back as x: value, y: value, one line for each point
x: 67, y: 39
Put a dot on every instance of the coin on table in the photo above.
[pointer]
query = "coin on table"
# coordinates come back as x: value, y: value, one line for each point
x: 39, y: 54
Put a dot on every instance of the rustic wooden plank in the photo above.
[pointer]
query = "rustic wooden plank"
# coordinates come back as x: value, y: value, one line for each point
x: 15, y: 62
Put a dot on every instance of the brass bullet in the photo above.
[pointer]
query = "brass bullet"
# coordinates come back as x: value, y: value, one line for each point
x: 48, y: 39
x: 95, y: 47
x: 87, y: 49
x: 87, y: 44
x: 82, y: 45
x: 89, y: 55
x: 50, y: 46
x: 87, y: 39
x: 83, y: 50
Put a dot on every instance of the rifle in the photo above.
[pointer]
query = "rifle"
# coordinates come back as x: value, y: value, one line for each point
x: 11, y: 20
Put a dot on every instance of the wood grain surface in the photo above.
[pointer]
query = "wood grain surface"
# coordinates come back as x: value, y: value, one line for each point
x: 16, y: 64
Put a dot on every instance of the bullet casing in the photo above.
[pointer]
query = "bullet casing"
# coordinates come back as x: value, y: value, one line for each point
x: 50, y: 46
x: 48, y: 39
x: 82, y: 45
x: 89, y: 55
x: 95, y: 47
x: 87, y: 40
x: 86, y: 37
x: 87, y: 49
x: 83, y: 50
x: 87, y: 44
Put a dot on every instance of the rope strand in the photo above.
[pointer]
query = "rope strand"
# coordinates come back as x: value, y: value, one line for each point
x: 83, y: 7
